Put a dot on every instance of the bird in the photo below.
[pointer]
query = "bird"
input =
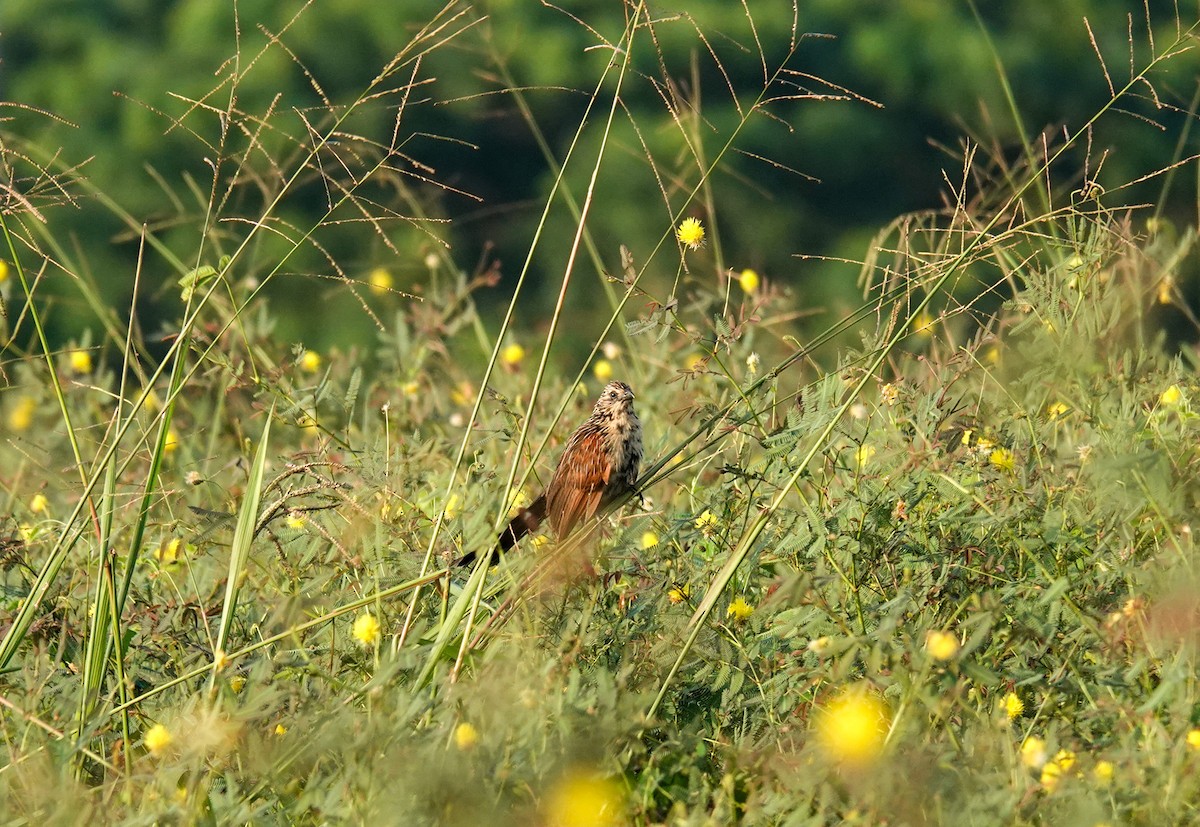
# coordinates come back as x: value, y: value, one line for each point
x: 598, y: 466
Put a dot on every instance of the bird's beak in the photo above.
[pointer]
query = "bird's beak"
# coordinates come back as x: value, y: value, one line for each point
x: 629, y: 394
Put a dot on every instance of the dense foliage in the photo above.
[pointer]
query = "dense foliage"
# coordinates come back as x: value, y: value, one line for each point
x: 926, y: 559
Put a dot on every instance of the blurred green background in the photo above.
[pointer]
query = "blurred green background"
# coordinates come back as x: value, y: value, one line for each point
x: 100, y: 84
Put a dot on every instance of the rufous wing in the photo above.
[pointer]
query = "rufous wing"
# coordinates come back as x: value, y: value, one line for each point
x: 579, y: 481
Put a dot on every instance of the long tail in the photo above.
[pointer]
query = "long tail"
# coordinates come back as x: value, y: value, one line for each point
x: 526, y: 521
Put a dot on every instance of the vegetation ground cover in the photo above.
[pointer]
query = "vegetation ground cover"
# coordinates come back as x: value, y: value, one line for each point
x: 930, y: 563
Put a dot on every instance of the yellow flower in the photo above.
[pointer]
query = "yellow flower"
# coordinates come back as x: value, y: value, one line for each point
x: 512, y: 355
x: 295, y: 521
x: 753, y: 361
x: 221, y: 660
x: 748, y: 280
x: 366, y: 629
x: 517, y: 500
x: 678, y: 594
x: 1033, y: 752
x: 584, y: 799
x: 649, y: 539
x: 1051, y: 773
x: 81, y: 361
x: 452, y: 506
x: 280, y: 729
x: 853, y: 726
x: 410, y: 388
x: 237, y: 683
x: 1166, y: 290
x: 39, y: 503
x: 1193, y: 738
x: 465, y: 736
x: 739, y: 609
x: 310, y: 361
x: 694, y: 362
x: 1065, y: 759
x: 21, y: 415
x: 889, y: 393
x: 819, y: 645
x: 707, y: 523
x: 157, y: 739
x: 1171, y: 397
x: 380, y: 281
x: 922, y: 325
x: 1012, y: 705
x: 690, y: 233
x: 172, y: 441
x: 1057, y: 410
x: 1003, y: 459
x: 602, y: 370
x: 941, y: 645
x: 3, y: 271
x: 863, y: 455
x: 1103, y: 773
x: 168, y: 551
x: 306, y: 422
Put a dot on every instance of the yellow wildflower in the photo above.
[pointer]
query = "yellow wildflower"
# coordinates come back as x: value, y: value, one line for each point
x: 753, y: 361
x: 237, y: 683
x: 1012, y: 705
x: 1057, y: 410
x: 690, y: 233
x: 310, y: 361
x: 366, y: 629
x: 410, y: 388
x: 39, y: 503
x: 3, y: 271
x: 465, y: 736
x: 168, y: 551
x: 602, y: 370
x: 922, y: 325
x: 941, y: 645
x: 1065, y: 759
x: 380, y: 281
x: 853, y: 726
x: 1103, y: 773
x: 863, y: 455
x: 157, y: 739
x: 678, y: 594
x: 1033, y: 752
x: 512, y: 355
x: 80, y: 361
x: 280, y: 729
x: 739, y: 610
x: 819, y: 645
x: 295, y: 520
x: 1166, y: 290
x: 585, y: 799
x: 649, y: 539
x: 221, y: 660
x: 707, y: 523
x: 1003, y: 459
x: 889, y: 393
x: 1193, y: 738
x: 1051, y: 773
x: 1171, y: 397
x: 20, y: 418
x: 748, y: 281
